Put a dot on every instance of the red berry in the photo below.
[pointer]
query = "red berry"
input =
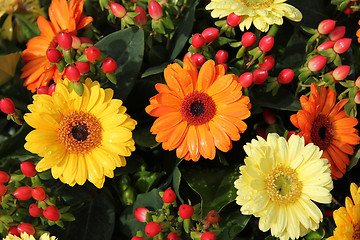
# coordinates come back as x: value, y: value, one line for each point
x: 13, y: 231
x: 357, y: 98
x: 268, y: 63
x: 83, y: 67
x: 34, y: 210
x: 248, y: 39
x: 342, y: 45
x: 233, y: 20
x: 4, y: 177
x: 260, y: 75
x: 286, y: 76
x: 340, y: 73
x: 92, y: 54
x: 357, y: 82
x: 76, y: 42
x: 86, y: 40
x: 221, y: 56
x: 53, y: 55
x: 289, y: 135
x: 38, y: 193
x: 197, y: 40
x: 326, y: 26
x: 172, y: 236
x: 7, y: 106
x: 26, y: 227
x: 51, y: 213
x: 65, y: 40
x: 72, y: 73
x: 155, y: 10
x: 260, y: 132
x: 208, y: 236
x: 28, y: 169
x: 188, y: 54
x: 152, y: 229
x: 109, y: 65
x: 52, y: 89
x: 269, y: 116
x: 349, y: 11
x: 266, y: 43
x: 23, y: 193
x: 246, y: 79
x: 325, y: 45
x: 169, y: 196
x: 186, y: 211
x: 210, y: 34
x: 198, y: 59
x: 3, y: 190
x: 212, y: 217
x: 317, y: 63
x: 141, y: 18
x: 118, y: 10
x: 137, y: 238
x: 337, y: 33
x: 140, y: 214
x: 43, y: 90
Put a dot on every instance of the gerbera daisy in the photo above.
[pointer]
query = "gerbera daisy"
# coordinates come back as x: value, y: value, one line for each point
x: 347, y: 219
x: 25, y: 236
x: 262, y: 13
x: 197, y: 111
x: 79, y: 137
x: 327, y: 126
x: 279, y: 182
x: 65, y: 17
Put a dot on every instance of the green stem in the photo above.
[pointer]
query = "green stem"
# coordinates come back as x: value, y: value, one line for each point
x: 273, y: 30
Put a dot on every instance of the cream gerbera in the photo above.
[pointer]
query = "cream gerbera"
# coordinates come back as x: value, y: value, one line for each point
x: 25, y: 236
x: 80, y: 137
x: 262, y: 13
x: 279, y: 182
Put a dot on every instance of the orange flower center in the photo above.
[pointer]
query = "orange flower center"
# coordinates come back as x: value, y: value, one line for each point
x: 322, y: 132
x: 80, y: 132
x: 197, y: 108
x: 356, y: 234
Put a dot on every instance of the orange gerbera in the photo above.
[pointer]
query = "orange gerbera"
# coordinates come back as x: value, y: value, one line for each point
x: 64, y: 17
x: 198, y: 110
x: 327, y: 126
x: 347, y: 219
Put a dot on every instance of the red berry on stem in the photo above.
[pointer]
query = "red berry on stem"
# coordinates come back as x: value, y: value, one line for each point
x: 109, y: 65
x: 212, y: 217
x: 260, y: 75
x: 169, y: 196
x: 342, y: 45
x: 155, y: 10
x: 210, y: 34
x: 83, y: 67
x: 188, y: 54
x: 140, y: 214
x: 141, y: 18
x: 92, y: 54
x: 52, y: 89
x: 51, y: 213
x: 326, y: 26
x: 289, y: 135
x: 248, y: 39
x: 198, y: 59
x: 208, y: 236
x: 23, y: 193
x: 76, y: 42
x: 4, y: 177
x: 28, y: 169
x: 246, y: 79
x: 357, y: 82
x: 349, y: 10
x: 286, y: 76
x: 7, y: 106
x: 3, y: 190
x: 266, y: 43
x: 172, y: 236
x: 325, y: 45
x: 317, y: 63
x: 186, y: 211
x: 233, y: 20
x: 137, y: 238
x: 197, y: 40
x: 118, y: 10
x: 13, y: 231
x: 43, y: 90
x: 85, y: 40
x: 340, y: 73
x: 72, y: 73
x: 38, y: 193
x: 337, y: 33
x: 26, y: 227
x: 268, y: 63
x: 65, y: 40
x: 357, y: 98
x: 152, y: 229
x: 269, y: 116
x: 35, y: 211
x: 221, y: 56
x: 53, y: 55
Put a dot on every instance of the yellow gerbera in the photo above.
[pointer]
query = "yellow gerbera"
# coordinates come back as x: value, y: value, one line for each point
x: 347, y: 219
x: 80, y: 137
x: 279, y: 182
x: 25, y: 236
x: 262, y: 13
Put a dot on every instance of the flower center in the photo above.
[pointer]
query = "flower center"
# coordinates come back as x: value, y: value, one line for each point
x: 356, y: 234
x: 282, y: 185
x: 80, y: 132
x: 256, y: 4
x: 197, y: 108
x: 322, y: 132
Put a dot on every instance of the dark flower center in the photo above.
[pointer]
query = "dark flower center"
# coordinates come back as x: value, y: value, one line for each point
x: 322, y: 132
x: 197, y: 108
x: 80, y: 132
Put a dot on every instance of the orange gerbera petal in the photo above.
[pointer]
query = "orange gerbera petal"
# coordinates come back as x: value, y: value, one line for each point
x: 198, y: 111
x: 64, y: 17
x: 325, y: 124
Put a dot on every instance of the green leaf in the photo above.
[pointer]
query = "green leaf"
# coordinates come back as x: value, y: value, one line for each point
x: 155, y: 70
x: 308, y: 29
x: 126, y: 47
x: 29, y: 25
x: 15, y: 142
x: 144, y: 137
x: 234, y: 223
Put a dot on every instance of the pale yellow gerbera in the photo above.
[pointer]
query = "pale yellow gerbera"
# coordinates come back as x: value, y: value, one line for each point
x: 25, y: 236
x: 279, y: 182
x: 347, y: 219
x: 262, y: 13
x: 80, y: 137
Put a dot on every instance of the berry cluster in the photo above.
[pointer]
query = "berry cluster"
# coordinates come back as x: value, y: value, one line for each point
x: 25, y: 201
x: 174, y: 223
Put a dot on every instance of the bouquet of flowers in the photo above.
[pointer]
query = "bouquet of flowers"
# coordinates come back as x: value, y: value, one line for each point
x: 179, y: 119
